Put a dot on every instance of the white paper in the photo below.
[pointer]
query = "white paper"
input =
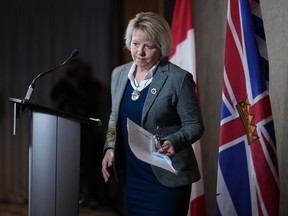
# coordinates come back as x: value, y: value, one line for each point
x: 142, y: 144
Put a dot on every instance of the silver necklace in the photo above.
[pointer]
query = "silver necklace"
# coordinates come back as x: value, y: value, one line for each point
x: 136, y: 93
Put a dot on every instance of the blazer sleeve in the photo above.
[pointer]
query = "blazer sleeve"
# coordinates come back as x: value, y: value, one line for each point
x: 118, y: 81
x: 111, y: 131
x: 189, y: 113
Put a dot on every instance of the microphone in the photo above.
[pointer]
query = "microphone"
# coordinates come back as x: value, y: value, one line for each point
x: 32, y: 85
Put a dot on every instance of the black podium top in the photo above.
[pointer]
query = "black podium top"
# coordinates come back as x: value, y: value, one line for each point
x: 27, y: 104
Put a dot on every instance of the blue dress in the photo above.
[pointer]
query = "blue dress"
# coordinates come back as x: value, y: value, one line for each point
x: 144, y: 195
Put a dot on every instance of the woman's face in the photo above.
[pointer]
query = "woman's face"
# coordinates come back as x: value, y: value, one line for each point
x: 143, y: 51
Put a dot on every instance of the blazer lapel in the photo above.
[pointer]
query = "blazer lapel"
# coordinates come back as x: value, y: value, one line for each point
x: 156, y: 85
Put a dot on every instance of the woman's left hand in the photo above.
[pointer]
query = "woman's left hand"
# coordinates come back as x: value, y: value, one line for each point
x: 167, y: 149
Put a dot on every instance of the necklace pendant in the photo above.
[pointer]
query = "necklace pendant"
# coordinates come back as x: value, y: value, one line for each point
x: 135, y: 95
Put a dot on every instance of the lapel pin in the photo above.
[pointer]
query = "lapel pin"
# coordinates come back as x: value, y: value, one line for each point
x: 153, y: 91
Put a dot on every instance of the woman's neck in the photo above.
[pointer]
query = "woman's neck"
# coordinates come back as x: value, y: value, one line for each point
x: 140, y: 73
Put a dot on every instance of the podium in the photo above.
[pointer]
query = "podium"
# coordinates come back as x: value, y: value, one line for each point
x: 54, y: 159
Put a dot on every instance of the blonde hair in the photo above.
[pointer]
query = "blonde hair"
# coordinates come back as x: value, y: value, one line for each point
x: 155, y: 27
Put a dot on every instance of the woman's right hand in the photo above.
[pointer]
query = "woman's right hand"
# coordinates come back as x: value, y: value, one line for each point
x: 107, y: 163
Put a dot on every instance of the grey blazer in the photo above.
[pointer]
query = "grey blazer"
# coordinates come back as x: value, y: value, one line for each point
x: 171, y: 103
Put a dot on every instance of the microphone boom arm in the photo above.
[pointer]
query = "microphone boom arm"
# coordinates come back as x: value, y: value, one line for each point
x: 32, y: 85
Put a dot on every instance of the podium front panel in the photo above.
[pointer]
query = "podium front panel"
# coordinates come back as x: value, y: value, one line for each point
x: 54, y: 165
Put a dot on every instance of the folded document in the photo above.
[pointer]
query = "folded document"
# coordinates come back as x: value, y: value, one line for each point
x: 142, y: 144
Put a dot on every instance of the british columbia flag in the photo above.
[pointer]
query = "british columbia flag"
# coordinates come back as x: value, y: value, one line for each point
x: 247, y: 182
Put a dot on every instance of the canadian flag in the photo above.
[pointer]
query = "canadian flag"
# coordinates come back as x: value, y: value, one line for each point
x: 183, y: 55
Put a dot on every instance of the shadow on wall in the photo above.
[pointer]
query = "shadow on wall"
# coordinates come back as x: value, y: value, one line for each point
x: 78, y: 93
x: 1, y: 106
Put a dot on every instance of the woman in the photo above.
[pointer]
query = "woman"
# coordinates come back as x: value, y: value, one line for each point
x: 158, y: 96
